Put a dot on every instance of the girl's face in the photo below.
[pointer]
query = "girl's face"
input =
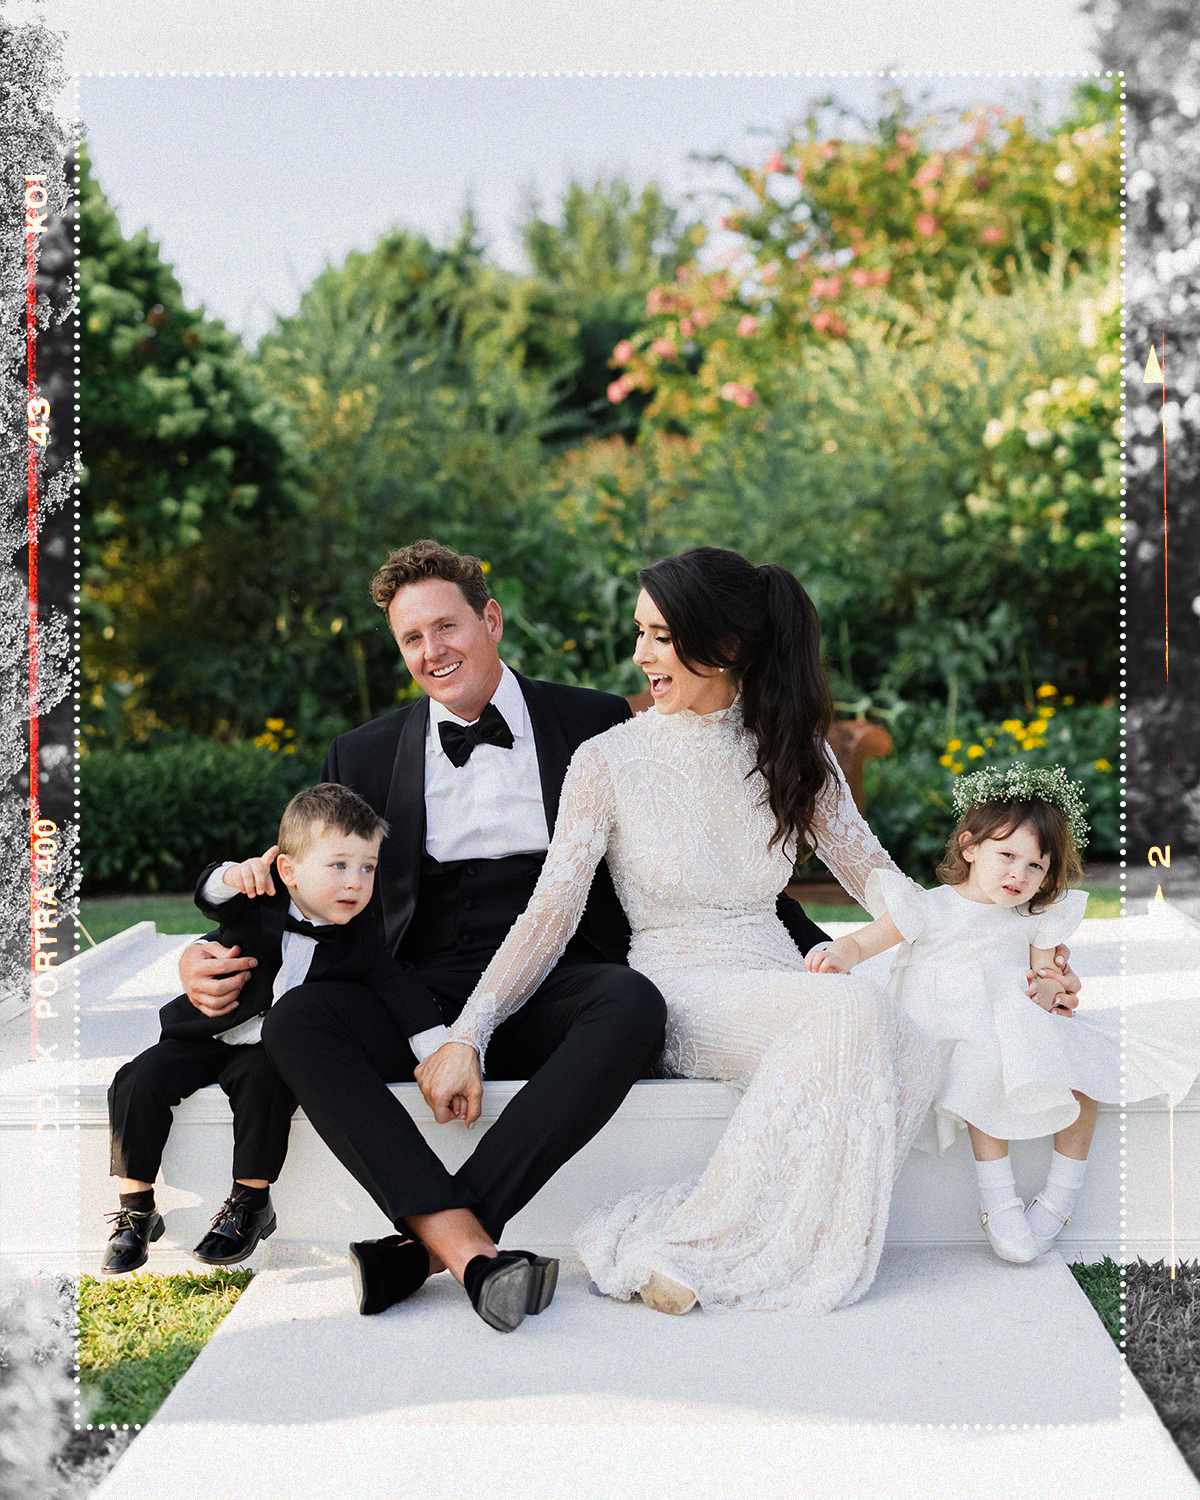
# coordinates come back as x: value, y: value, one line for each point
x: 1007, y: 870
x: 672, y: 685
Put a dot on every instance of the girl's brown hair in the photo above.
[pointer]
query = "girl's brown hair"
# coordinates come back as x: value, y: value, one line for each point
x: 992, y: 820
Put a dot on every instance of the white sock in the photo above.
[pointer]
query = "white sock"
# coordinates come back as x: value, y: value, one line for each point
x: 996, y: 1183
x: 1062, y: 1187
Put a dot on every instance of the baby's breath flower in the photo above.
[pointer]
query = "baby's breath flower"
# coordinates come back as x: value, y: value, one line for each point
x: 1019, y: 782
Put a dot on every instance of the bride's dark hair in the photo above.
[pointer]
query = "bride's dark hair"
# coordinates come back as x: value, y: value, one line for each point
x: 761, y: 626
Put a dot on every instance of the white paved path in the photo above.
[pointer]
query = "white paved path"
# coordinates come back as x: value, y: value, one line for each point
x: 297, y: 1396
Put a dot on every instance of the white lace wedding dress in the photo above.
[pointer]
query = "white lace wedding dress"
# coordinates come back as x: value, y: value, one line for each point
x: 792, y: 1207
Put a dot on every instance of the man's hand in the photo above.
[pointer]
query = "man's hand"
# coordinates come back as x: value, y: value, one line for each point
x: 213, y: 975
x: 451, y: 1084
x: 1064, y: 973
x: 253, y: 876
x: 1050, y: 994
x: 838, y: 958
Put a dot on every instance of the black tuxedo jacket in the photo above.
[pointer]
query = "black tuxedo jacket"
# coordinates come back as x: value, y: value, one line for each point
x: 384, y: 762
x: 257, y: 925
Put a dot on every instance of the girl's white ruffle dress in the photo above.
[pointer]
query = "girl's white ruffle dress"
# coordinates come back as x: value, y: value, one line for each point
x: 1008, y: 1066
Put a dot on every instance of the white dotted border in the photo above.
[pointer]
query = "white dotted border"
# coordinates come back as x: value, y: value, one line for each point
x: 1122, y: 830
x: 663, y: 73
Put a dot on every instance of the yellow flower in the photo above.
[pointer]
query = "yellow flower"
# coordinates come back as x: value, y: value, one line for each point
x: 974, y: 752
x: 485, y: 567
x: 1068, y: 700
x: 1046, y: 712
x: 274, y: 724
x: 989, y: 741
x: 289, y: 749
x: 568, y: 645
x: 957, y: 766
x: 945, y: 760
x: 1102, y: 764
x: 1047, y: 690
x: 954, y: 744
x: 1012, y: 726
x: 1036, y: 726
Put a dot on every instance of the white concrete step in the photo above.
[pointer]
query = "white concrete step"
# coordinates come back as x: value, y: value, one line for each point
x: 298, y: 1396
x: 54, y: 1140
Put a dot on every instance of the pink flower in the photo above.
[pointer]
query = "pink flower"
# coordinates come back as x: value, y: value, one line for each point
x: 828, y: 150
x: 619, y: 389
x: 800, y: 176
x: 686, y: 327
x: 827, y: 286
x: 929, y: 196
x: 770, y: 273
x: 747, y: 325
x: 861, y: 277
x: 926, y: 224
x: 740, y: 395
x: 701, y: 317
x: 992, y: 235
x: 928, y: 172
x: 904, y: 140
x: 623, y: 353
x: 729, y: 221
x: 821, y: 321
x: 664, y: 348
x: 773, y: 163
x: 893, y: 163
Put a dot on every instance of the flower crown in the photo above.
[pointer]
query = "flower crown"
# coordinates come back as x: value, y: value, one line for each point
x: 1017, y: 782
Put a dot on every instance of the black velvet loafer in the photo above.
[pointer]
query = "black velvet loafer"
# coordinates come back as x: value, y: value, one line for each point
x: 128, y: 1244
x: 506, y: 1286
x: 236, y: 1230
x: 387, y: 1271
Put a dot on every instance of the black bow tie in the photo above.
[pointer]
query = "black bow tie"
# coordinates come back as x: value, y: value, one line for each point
x: 459, y: 740
x: 332, y: 932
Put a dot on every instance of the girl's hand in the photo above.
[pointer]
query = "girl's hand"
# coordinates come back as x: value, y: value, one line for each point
x: 837, y: 958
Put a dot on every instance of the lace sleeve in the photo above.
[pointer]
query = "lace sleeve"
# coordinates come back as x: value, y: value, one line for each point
x: 536, y: 940
x: 844, y: 840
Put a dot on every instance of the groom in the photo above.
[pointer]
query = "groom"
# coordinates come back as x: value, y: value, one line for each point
x: 468, y: 777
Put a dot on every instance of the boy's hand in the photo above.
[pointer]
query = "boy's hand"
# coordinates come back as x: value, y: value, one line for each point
x: 253, y: 876
x: 838, y: 958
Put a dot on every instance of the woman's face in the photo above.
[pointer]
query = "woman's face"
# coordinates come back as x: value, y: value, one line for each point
x: 672, y: 685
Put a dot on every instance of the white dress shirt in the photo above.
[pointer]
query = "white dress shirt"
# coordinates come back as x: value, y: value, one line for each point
x: 492, y: 806
x: 296, y: 952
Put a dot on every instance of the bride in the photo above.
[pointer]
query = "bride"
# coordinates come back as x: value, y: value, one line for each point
x: 699, y: 805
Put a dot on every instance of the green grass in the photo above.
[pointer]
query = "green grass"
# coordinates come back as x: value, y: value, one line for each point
x: 139, y: 1334
x: 103, y: 916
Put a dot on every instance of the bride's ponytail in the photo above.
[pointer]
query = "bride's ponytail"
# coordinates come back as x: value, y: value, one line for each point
x: 760, y: 625
x: 787, y: 704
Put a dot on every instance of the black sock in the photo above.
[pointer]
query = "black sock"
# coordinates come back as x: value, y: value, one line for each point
x: 255, y: 1197
x: 140, y: 1203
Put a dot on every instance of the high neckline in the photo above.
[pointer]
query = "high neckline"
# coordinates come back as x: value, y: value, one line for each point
x: 689, y: 718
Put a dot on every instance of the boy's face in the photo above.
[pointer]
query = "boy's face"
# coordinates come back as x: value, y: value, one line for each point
x: 1010, y: 869
x: 333, y: 881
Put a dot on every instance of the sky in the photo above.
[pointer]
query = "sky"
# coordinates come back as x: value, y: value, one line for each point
x: 251, y: 185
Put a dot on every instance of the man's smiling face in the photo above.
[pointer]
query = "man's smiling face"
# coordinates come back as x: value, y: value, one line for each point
x: 449, y: 649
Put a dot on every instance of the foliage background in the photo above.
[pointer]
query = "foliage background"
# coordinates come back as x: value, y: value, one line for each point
x: 902, y: 380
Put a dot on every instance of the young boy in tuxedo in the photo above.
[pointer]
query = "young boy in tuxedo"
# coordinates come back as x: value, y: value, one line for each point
x: 315, y: 926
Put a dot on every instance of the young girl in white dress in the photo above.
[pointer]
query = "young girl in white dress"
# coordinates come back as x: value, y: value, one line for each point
x: 1010, y: 1070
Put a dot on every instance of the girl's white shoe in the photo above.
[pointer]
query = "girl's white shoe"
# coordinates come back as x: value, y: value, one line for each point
x: 1007, y: 1231
x: 1036, y: 1218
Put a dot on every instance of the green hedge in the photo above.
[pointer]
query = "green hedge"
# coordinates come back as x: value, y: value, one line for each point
x: 151, y: 820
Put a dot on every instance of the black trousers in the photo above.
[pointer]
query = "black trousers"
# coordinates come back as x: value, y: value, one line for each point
x: 582, y: 1040
x: 146, y: 1090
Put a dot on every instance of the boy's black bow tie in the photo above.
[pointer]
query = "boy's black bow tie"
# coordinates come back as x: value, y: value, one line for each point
x: 332, y: 932
x: 459, y: 740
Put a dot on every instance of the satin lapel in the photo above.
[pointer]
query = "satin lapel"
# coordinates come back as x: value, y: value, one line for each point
x: 405, y: 813
x: 270, y: 954
x: 553, y: 750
